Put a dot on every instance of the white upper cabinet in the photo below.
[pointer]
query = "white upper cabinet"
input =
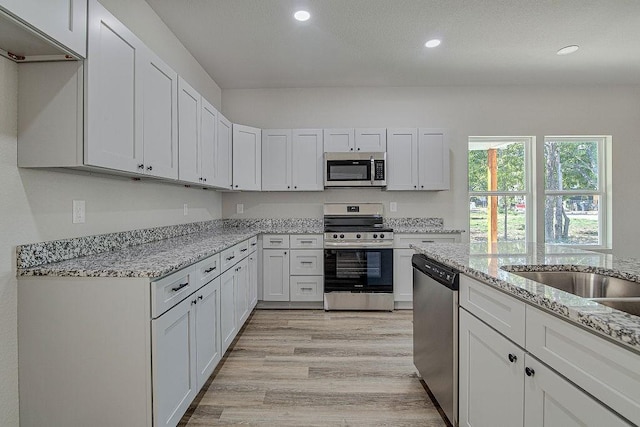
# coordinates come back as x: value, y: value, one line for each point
x: 208, y: 146
x: 189, y: 110
x: 114, y: 91
x: 433, y: 159
x: 402, y: 159
x: 345, y: 140
x: 339, y: 140
x: 373, y: 140
x: 64, y: 21
x: 222, y: 176
x: 276, y: 159
x: 247, y: 158
x: 417, y: 159
x: 292, y: 160
x: 306, y: 160
x: 160, y: 118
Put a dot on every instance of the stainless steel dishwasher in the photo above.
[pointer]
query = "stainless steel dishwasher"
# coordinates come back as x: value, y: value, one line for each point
x: 435, y: 330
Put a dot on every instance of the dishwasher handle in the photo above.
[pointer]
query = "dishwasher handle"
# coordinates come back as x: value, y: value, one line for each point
x: 441, y: 273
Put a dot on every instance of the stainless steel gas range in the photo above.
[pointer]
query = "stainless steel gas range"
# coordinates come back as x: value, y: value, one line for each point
x: 358, y: 258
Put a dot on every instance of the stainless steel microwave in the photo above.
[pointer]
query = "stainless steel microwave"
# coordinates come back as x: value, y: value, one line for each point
x: 355, y: 169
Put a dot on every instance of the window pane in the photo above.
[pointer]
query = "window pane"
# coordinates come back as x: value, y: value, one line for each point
x: 572, y: 219
x: 507, y: 225
x: 506, y: 160
x: 571, y: 165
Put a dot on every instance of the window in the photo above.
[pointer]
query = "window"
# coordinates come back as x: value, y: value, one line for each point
x: 575, y: 190
x: 499, y: 188
x: 572, y: 189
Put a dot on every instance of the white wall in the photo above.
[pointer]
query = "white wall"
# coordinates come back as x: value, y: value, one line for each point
x: 140, y: 18
x: 465, y: 111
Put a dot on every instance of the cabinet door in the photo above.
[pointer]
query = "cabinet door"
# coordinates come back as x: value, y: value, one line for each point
x: 65, y: 21
x: 307, y: 161
x: 247, y: 158
x: 275, y: 275
x: 160, y: 116
x: 241, y: 301
x: 373, y: 140
x: 228, y: 325
x: 276, y: 159
x: 207, y: 321
x: 338, y: 140
x: 433, y: 157
x: 114, y: 93
x: 222, y: 171
x: 253, y: 280
x: 402, y: 159
x: 189, y: 133
x: 402, y: 274
x: 173, y: 361
x: 553, y: 401
x: 208, y: 146
x: 491, y: 386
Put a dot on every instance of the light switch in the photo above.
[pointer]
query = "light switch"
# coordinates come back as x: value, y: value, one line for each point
x: 393, y: 206
x: 239, y: 208
x: 78, y: 212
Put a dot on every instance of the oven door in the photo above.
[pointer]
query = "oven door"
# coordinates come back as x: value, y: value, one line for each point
x: 358, y: 270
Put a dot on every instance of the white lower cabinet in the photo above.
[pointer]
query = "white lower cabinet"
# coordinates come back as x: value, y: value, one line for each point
x: 306, y: 288
x: 275, y: 274
x: 253, y: 277
x: 502, y: 384
x: 186, y: 349
x: 241, y: 300
x: 228, y: 324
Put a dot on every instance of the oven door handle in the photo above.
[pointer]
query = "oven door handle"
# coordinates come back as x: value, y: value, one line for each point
x: 359, y: 245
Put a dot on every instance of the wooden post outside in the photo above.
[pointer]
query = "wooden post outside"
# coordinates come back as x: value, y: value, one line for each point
x: 492, y: 181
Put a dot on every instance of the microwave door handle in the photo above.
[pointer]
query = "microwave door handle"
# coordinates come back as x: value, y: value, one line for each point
x: 373, y: 170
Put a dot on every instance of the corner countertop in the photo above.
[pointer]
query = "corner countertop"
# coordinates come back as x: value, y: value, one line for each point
x: 487, y: 264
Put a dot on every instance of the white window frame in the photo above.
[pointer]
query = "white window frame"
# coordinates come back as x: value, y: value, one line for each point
x: 529, y: 179
x: 603, y: 192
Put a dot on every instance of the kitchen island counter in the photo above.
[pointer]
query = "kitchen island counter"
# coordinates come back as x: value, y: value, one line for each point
x: 489, y: 264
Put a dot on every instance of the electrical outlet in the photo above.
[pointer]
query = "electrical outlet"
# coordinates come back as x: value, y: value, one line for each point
x: 78, y: 212
x: 239, y: 208
x: 185, y: 209
x: 393, y: 206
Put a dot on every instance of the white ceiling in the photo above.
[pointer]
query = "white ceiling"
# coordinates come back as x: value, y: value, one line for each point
x: 257, y: 44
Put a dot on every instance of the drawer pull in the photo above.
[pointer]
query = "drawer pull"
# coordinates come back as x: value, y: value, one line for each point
x: 306, y: 289
x: 244, y: 250
x: 230, y: 258
x: 428, y: 241
x: 200, y: 297
x: 276, y: 240
x: 530, y: 372
x: 306, y: 262
x: 306, y: 241
x: 254, y: 244
x: 209, y: 270
x: 180, y: 286
x: 512, y: 357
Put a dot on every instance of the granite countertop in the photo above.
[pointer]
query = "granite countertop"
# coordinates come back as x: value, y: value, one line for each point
x: 489, y: 264
x: 424, y: 230
x: 156, y: 258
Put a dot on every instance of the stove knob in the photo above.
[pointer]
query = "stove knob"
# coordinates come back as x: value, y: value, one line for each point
x: 335, y: 236
x: 375, y: 236
x: 382, y: 236
x: 358, y: 236
x: 342, y: 236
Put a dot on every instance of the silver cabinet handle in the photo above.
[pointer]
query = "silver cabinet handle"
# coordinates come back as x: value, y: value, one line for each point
x: 209, y: 270
x: 306, y: 241
x: 180, y: 286
x: 428, y: 241
x: 306, y: 262
x: 230, y: 258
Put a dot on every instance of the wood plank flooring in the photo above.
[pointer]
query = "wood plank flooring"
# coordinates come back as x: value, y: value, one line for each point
x: 317, y: 368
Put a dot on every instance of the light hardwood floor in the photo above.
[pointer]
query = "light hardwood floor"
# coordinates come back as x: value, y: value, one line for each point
x: 317, y: 368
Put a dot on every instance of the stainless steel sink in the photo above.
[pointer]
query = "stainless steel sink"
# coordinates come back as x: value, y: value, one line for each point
x: 586, y: 285
x: 629, y: 305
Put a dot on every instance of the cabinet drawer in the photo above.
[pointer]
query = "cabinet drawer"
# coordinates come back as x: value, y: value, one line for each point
x: 497, y: 309
x: 207, y: 270
x: 168, y: 291
x: 306, y: 288
x: 242, y: 249
x: 404, y: 240
x: 307, y: 262
x: 253, y: 244
x: 605, y: 370
x: 275, y: 241
x: 228, y: 258
x: 309, y: 241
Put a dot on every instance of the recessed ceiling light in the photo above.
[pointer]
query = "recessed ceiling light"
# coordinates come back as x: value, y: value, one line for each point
x: 433, y: 43
x: 302, y: 15
x: 568, y: 49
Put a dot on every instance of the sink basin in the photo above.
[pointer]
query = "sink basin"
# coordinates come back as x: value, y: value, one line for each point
x: 586, y: 285
x: 623, y: 295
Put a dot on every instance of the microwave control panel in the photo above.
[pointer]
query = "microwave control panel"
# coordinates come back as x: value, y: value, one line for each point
x: 379, y: 170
